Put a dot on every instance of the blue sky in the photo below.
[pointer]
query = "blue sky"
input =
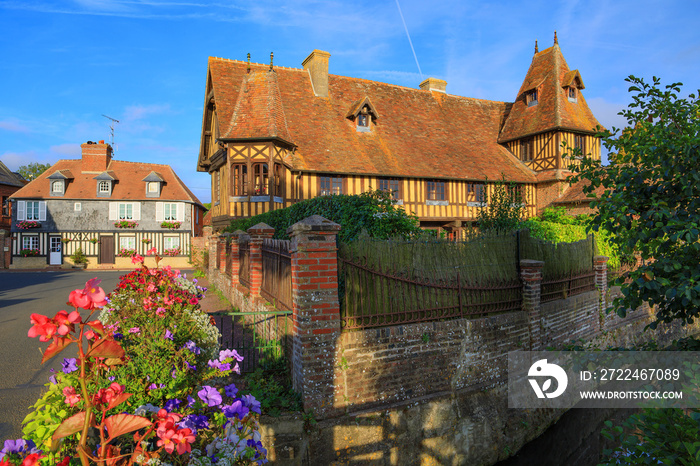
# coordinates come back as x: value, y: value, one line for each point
x: 65, y: 63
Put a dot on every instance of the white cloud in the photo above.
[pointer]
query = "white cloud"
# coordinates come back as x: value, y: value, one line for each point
x: 13, y: 160
x: 138, y: 112
x: 70, y: 150
x: 14, y: 126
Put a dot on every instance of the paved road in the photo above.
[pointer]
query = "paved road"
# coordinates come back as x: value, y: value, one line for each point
x: 22, y: 377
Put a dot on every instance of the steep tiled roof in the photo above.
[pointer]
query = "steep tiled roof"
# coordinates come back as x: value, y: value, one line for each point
x: 550, y: 75
x: 128, y: 187
x: 9, y: 178
x: 419, y: 133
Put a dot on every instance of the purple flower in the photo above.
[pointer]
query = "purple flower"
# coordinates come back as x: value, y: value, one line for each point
x: 172, y: 405
x: 111, y: 378
x: 118, y: 336
x: 190, y: 401
x: 194, y: 422
x: 168, y: 334
x: 227, y: 353
x: 209, y: 395
x: 190, y: 345
x: 19, y: 447
x: 53, y: 379
x: 237, y: 409
x: 190, y: 366
x: 230, y: 390
x: 251, y: 403
x: 69, y: 365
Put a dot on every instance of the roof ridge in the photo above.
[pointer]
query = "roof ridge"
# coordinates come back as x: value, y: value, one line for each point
x: 233, y: 60
x: 557, y: 94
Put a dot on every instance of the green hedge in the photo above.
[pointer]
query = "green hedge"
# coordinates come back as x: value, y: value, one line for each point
x: 373, y: 212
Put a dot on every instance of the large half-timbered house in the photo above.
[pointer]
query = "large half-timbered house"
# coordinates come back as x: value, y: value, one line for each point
x: 272, y: 136
x: 107, y: 208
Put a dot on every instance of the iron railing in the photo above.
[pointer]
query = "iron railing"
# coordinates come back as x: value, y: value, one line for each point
x: 370, y: 298
x: 277, y: 273
x: 562, y: 288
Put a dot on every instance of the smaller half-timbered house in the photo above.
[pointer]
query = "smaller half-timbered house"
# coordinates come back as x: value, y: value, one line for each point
x: 109, y: 209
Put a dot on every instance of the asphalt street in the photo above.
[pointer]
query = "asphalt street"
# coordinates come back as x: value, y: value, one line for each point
x: 22, y: 376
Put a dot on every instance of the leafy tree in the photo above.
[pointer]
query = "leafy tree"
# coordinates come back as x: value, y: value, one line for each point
x: 32, y: 170
x: 373, y: 212
x: 649, y: 196
x: 505, y: 208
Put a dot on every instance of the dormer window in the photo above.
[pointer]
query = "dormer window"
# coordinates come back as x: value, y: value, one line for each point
x: 363, y: 113
x: 57, y: 187
x: 105, y: 183
x: 531, y: 98
x: 104, y: 187
x: 572, y: 95
x: 154, y: 184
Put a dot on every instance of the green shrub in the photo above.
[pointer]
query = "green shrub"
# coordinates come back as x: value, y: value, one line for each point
x: 373, y: 212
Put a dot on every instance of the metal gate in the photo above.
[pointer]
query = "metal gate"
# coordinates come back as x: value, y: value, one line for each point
x: 260, y: 337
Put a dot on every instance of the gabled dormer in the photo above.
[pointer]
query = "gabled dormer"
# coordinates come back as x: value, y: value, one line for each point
x: 105, y: 183
x: 58, y: 181
x: 572, y: 85
x: 154, y: 184
x: 363, y: 114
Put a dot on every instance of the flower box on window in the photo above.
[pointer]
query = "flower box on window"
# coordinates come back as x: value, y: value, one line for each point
x: 27, y: 224
x: 170, y: 225
x: 94, y: 240
x: 146, y: 241
x: 126, y: 224
x: 65, y: 240
x: 172, y: 252
x: 126, y: 252
x: 29, y: 252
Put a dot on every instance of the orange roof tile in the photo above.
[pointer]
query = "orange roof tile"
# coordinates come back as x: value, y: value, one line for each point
x: 129, y: 184
x: 419, y: 133
x: 550, y: 75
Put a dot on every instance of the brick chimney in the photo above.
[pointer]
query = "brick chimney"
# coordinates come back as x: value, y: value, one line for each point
x: 433, y: 84
x: 317, y: 65
x: 96, y: 156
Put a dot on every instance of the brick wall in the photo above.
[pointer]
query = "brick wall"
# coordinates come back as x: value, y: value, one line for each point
x: 350, y: 371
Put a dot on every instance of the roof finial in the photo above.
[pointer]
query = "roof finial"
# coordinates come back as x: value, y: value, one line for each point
x: 248, y: 62
x: 271, y: 56
x: 556, y: 41
x: 537, y: 50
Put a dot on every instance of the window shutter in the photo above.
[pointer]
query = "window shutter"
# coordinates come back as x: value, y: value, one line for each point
x: 20, y: 210
x: 113, y: 208
x: 42, y: 211
x: 136, y: 210
x: 180, y: 211
x: 159, y: 211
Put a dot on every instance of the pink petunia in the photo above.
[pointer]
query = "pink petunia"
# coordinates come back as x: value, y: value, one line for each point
x: 43, y: 327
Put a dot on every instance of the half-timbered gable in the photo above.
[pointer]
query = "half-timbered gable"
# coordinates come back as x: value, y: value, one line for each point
x: 289, y: 134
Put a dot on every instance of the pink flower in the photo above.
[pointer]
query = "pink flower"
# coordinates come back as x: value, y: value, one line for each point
x: 72, y: 398
x: 160, y: 311
x: 136, y: 259
x: 134, y: 330
x: 43, y: 327
x: 66, y: 322
x: 151, y: 288
x: 151, y: 251
x: 183, y: 438
x: 90, y: 297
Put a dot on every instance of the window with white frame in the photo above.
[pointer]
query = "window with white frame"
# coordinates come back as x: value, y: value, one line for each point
x: 126, y: 211
x: 127, y: 242
x: 171, y: 242
x: 32, y: 210
x: 57, y: 186
x: 170, y: 211
x: 30, y: 242
x: 104, y: 187
x: 153, y: 186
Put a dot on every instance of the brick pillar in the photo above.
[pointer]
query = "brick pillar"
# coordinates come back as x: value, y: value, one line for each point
x: 213, y: 254
x: 257, y: 234
x: 235, y: 255
x: 600, y: 266
x: 531, y: 276
x: 221, y: 250
x: 316, y: 311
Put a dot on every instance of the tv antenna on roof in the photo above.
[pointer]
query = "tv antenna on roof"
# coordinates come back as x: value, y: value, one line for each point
x: 111, y: 127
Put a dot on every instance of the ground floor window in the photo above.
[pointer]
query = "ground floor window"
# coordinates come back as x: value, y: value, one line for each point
x: 30, y: 242
x: 330, y: 185
x: 127, y: 242
x: 171, y: 242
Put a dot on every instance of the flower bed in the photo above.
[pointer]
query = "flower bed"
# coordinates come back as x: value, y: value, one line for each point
x: 149, y: 384
x: 126, y: 224
x: 29, y: 252
x: 171, y: 225
x: 27, y: 224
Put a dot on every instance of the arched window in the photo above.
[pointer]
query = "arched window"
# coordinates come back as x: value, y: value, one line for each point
x: 239, y: 179
x: 261, y: 179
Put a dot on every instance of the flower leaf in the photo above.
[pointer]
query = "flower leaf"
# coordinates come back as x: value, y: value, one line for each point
x: 56, y: 346
x: 71, y: 425
x: 120, y: 424
x: 106, y: 348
